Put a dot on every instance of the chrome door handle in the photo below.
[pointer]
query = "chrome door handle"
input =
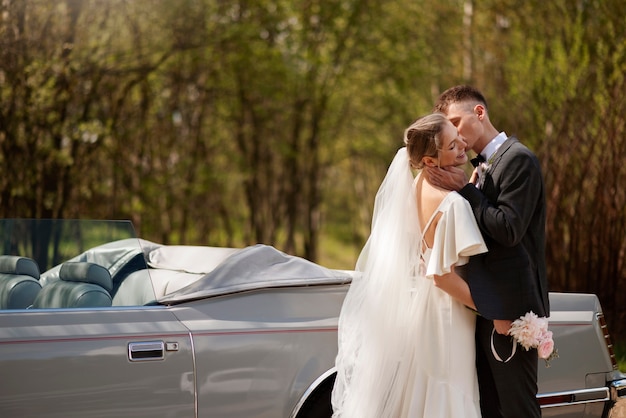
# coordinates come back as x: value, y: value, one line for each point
x: 146, y: 351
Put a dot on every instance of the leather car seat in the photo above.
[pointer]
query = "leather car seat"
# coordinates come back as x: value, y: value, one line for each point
x: 19, y: 282
x: 81, y: 285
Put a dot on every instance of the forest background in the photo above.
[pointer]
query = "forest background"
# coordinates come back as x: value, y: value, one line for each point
x: 234, y: 122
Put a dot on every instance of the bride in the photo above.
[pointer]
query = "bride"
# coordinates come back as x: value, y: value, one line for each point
x: 406, y: 335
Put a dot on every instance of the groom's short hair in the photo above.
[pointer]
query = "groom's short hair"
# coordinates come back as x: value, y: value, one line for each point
x: 458, y: 94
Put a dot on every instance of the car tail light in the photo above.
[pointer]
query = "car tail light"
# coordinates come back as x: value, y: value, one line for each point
x: 607, y: 338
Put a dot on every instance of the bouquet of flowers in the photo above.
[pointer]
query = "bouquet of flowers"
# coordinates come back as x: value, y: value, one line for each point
x: 531, y: 331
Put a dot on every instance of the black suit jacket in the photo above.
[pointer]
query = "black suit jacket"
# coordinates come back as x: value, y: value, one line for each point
x: 510, y: 208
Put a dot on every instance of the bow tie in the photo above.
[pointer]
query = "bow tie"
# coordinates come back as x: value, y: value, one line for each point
x: 479, y: 159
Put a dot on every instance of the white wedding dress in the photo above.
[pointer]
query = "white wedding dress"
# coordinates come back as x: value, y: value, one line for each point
x: 406, y: 348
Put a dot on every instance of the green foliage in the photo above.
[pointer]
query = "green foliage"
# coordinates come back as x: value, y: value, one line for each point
x: 274, y: 121
x: 620, y: 355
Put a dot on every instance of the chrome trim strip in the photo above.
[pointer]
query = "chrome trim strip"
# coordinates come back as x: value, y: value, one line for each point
x: 310, y: 390
x: 618, y: 389
x: 576, y: 397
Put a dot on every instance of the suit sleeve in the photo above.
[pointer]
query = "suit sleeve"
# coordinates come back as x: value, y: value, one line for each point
x: 520, y: 183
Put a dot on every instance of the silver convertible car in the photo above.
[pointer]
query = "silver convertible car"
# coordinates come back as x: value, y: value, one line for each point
x: 95, y: 322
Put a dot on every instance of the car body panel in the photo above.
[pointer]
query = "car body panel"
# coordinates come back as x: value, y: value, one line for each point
x: 75, y: 363
x: 258, y: 347
x: 576, y: 379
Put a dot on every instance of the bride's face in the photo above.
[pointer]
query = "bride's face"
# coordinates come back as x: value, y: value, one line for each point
x: 452, y: 152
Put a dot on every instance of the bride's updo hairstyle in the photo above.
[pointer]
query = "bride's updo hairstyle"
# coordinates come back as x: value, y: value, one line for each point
x: 422, y: 138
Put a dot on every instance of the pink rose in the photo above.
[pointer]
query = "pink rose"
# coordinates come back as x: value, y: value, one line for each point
x: 529, y: 330
x: 546, y: 346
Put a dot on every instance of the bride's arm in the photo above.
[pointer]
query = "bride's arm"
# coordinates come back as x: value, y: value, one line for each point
x: 456, y: 287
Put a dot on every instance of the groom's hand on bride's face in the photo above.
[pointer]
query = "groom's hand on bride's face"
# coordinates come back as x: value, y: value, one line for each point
x: 449, y: 178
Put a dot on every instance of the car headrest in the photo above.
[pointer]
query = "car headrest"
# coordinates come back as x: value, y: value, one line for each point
x: 87, y: 273
x: 13, y: 264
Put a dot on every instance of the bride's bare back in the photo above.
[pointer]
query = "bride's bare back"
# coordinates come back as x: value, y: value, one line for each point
x: 429, y: 199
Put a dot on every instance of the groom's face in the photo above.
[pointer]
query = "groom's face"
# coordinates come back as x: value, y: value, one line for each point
x: 464, y: 116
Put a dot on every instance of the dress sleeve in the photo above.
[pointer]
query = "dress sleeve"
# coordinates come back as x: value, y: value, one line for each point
x: 457, y: 237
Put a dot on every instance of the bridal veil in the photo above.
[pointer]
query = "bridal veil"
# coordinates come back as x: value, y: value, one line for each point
x: 373, y: 337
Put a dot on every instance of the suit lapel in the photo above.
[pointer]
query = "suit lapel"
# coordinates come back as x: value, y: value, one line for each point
x: 487, y: 185
x: 497, y: 157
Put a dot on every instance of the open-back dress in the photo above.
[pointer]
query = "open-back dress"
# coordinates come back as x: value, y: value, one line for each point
x: 406, y: 348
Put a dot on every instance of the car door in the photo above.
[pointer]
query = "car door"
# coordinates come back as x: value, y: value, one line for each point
x: 99, y: 362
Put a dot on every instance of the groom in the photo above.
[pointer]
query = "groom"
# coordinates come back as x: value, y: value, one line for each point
x: 508, y: 201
